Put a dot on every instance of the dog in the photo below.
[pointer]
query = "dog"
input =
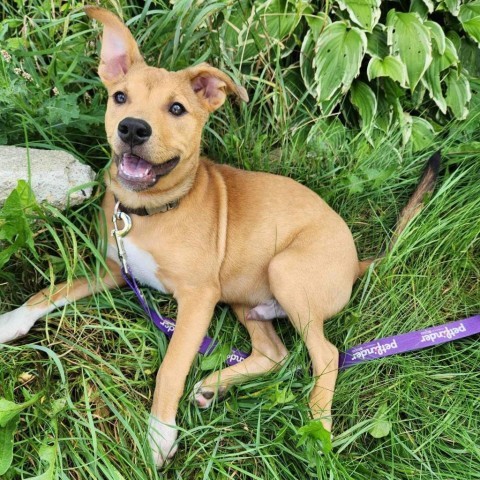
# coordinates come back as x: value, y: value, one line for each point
x: 208, y: 233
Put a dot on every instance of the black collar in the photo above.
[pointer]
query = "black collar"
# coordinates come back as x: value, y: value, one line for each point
x: 143, y: 212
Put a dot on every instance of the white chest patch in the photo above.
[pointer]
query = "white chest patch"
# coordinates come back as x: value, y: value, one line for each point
x: 141, y: 263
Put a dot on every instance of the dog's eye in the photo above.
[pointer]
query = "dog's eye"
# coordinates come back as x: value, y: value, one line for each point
x: 177, y: 109
x: 119, y: 97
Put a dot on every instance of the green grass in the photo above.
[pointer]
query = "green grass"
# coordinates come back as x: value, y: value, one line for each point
x: 93, y: 364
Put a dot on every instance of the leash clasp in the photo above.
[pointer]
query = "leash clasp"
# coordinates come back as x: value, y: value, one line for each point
x: 118, y: 234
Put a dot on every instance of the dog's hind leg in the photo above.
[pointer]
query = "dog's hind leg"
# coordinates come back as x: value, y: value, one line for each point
x: 268, y: 353
x: 312, y: 283
x: 18, y: 322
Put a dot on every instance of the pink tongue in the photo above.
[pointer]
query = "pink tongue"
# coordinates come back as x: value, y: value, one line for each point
x: 135, y: 167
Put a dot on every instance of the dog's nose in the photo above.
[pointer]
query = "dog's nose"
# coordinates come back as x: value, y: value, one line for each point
x: 134, y: 131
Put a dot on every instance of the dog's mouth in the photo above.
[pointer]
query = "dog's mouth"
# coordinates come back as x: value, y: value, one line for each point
x: 136, y: 173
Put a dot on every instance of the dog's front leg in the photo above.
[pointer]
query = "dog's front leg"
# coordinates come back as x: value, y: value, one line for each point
x: 18, y: 322
x: 195, y: 310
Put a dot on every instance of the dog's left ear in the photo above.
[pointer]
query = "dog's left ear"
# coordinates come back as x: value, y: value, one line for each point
x: 119, y: 49
x: 212, y: 86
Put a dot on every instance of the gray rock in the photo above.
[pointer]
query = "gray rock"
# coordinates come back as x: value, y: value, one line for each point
x: 54, y: 174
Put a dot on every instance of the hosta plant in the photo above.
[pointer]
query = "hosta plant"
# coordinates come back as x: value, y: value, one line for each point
x: 399, y: 65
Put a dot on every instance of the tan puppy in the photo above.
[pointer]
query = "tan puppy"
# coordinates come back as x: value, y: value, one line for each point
x: 207, y: 233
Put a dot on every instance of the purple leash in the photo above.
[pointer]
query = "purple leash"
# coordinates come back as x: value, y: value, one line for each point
x: 167, y: 326
x: 383, y: 347
x: 365, y: 352
x: 408, y: 342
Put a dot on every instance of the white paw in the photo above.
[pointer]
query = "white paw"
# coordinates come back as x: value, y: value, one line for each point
x: 17, y: 323
x: 205, y: 396
x: 161, y: 437
x: 267, y: 311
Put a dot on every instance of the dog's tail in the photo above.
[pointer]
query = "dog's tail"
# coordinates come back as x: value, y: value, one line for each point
x: 424, y: 189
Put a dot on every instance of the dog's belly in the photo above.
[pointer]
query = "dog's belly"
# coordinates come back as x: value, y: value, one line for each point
x: 245, y: 287
x: 141, y: 264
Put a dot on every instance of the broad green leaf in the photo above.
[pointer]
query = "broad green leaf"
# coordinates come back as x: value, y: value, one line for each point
x: 381, y: 427
x: 420, y: 8
x: 316, y: 431
x: 410, y: 39
x: 328, y: 106
x: 280, y: 396
x: 214, y: 359
x: 283, y: 396
x: 430, y: 5
x: 450, y: 56
x: 433, y: 76
x: 47, y: 455
x: 469, y: 147
x: 432, y: 82
x: 57, y: 406
x: 355, y: 184
x: 307, y: 53
x: 418, y: 95
x: 383, y: 119
x: 398, y: 115
x: 248, y: 30
x: 13, y: 213
x: 279, y: 21
x: 339, y: 53
x: 9, y: 410
x: 458, y: 94
x: 470, y: 57
x: 317, y: 23
x: 364, y: 13
x: 15, y: 225
x: 453, y: 6
x: 393, y: 90
x: 438, y: 36
x: 454, y: 37
x: 472, y: 27
x: 7, y: 433
x: 394, y: 95
x: 363, y: 98
x: 25, y: 194
x: 422, y: 134
x: 469, y: 16
x: 377, y: 42
x: 469, y: 10
x: 390, y: 66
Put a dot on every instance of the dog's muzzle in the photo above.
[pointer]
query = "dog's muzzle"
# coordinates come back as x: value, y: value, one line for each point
x: 136, y: 173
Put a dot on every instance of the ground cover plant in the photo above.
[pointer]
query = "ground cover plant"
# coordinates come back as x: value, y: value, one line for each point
x: 76, y: 392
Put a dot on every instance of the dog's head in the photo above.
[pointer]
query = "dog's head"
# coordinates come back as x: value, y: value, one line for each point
x: 154, y: 117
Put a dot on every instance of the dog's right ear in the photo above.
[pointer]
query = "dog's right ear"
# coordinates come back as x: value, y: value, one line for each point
x: 119, y: 49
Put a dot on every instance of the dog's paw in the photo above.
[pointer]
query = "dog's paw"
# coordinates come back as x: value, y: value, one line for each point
x: 17, y: 323
x: 204, y: 396
x: 161, y: 438
x: 267, y: 311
